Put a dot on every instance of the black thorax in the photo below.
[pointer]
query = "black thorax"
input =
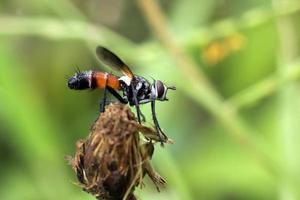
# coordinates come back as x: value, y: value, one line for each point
x: 142, y: 88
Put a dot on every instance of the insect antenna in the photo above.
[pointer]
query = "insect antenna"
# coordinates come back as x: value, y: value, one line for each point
x: 77, y: 70
x: 171, y: 87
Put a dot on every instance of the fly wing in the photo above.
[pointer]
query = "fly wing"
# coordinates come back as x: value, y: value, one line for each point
x: 110, y: 59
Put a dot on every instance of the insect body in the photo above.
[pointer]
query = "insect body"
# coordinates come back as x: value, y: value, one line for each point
x: 135, y: 90
x: 93, y: 79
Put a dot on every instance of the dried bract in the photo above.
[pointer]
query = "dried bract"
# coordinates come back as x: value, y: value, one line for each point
x: 113, y: 160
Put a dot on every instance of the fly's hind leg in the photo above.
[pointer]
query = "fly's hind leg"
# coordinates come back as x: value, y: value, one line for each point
x: 103, y: 102
x: 117, y: 95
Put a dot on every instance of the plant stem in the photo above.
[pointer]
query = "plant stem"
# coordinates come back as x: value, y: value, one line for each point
x: 249, y: 20
x: 288, y: 109
x: 266, y: 87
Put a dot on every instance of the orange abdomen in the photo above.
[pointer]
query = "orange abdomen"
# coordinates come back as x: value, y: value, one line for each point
x: 102, y: 79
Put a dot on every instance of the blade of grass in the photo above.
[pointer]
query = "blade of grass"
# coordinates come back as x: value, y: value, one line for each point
x: 249, y: 20
x: 289, y: 98
x: 56, y: 29
x: 266, y: 87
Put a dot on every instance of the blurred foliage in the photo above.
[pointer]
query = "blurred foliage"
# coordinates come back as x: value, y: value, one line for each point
x: 235, y: 138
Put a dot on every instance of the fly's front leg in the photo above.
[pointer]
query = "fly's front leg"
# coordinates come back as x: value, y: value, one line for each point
x: 162, y: 136
x: 144, y: 102
x: 137, y: 106
x: 125, y: 101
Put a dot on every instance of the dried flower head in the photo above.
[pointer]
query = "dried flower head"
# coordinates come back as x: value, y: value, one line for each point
x: 113, y: 160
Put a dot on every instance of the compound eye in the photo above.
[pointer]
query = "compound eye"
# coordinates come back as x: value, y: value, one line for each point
x: 160, y: 89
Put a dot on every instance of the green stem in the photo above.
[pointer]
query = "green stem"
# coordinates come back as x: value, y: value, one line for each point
x: 266, y: 87
x: 288, y: 109
x: 249, y: 20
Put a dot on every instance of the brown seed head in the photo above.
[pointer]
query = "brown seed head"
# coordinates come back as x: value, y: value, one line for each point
x: 112, y: 161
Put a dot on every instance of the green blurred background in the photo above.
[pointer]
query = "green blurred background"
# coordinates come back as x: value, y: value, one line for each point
x: 234, y: 116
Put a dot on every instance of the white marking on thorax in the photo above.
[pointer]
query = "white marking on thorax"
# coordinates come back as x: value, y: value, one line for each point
x: 153, y: 92
x: 125, y: 79
x: 106, y: 78
x: 89, y: 75
x: 165, y: 91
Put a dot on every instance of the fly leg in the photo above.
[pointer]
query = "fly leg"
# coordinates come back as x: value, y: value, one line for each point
x: 137, y: 106
x: 143, y: 117
x: 122, y: 100
x: 162, y: 136
x: 107, y: 102
x: 103, y: 103
x: 117, y: 95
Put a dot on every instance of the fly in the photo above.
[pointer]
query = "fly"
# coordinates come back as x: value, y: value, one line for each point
x: 135, y: 90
